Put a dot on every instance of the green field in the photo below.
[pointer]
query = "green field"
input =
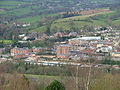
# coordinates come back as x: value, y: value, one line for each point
x: 34, y: 19
x: 17, y: 12
x: 42, y: 76
x: 6, y: 41
x: 98, y: 82
x: 24, y: 11
x: 78, y: 21
x: 84, y: 17
x: 11, y: 3
x: 116, y: 22
x: 8, y: 7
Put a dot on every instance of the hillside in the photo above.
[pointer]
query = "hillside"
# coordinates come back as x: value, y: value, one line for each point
x: 33, y: 11
x: 17, y: 9
x: 79, y: 22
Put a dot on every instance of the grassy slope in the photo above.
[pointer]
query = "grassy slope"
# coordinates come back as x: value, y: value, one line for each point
x: 79, y: 21
x: 82, y: 17
x: 6, y: 41
x: 34, y: 19
x: 17, y: 12
x: 11, y: 2
x: 116, y: 22
x: 60, y: 23
x: 11, y: 5
x: 98, y: 82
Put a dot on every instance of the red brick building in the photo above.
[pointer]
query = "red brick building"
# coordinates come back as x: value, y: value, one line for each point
x: 62, y: 51
x: 23, y: 52
x: 20, y: 52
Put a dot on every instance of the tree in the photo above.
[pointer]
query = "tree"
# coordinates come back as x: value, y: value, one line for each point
x: 102, y: 37
x: 19, y: 82
x: 88, y: 28
x: 2, y: 78
x: 48, y: 32
x: 55, y: 85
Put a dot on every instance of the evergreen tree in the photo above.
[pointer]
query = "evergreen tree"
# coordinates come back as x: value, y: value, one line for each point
x: 55, y: 85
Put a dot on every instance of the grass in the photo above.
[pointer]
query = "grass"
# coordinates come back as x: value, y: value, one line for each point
x: 116, y: 22
x: 34, y: 19
x: 42, y: 76
x: 17, y: 12
x: 6, y: 41
x: 8, y: 7
x: 30, y: 19
x: 40, y: 29
x: 100, y: 81
x: 11, y: 3
x: 82, y: 17
x: 80, y: 21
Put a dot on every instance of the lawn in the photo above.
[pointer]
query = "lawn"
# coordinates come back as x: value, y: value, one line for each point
x: 42, y: 76
x: 6, y: 41
x: 11, y: 3
x: 8, y: 7
x: 83, y: 17
x: 17, y: 12
x: 80, y: 21
x: 34, y: 19
x: 39, y: 29
x: 116, y: 22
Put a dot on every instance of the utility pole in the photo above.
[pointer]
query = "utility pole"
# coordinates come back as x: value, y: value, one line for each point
x: 76, y: 81
x: 89, y: 74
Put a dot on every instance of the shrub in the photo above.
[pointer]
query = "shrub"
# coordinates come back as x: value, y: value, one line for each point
x: 55, y: 85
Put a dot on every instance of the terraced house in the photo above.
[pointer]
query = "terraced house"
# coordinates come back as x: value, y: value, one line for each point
x: 23, y: 52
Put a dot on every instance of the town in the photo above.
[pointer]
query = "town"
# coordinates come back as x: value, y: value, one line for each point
x: 68, y: 47
x: 59, y: 44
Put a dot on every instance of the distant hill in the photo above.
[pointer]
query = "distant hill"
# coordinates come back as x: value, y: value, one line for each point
x: 31, y: 11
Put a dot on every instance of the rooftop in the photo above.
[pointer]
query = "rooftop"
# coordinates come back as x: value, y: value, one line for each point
x: 87, y: 38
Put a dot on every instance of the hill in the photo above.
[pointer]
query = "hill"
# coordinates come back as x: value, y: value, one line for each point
x: 18, y: 9
x: 25, y: 11
x: 79, y: 22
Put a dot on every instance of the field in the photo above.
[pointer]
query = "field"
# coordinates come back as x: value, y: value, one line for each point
x: 34, y: 19
x: 80, y: 21
x: 101, y: 19
x: 11, y: 2
x: 6, y: 41
x: 33, y: 11
x: 105, y: 82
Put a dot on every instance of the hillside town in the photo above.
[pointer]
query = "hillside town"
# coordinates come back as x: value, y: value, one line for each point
x: 75, y: 48
x: 59, y: 44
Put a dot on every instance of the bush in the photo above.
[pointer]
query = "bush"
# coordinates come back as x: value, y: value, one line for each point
x: 55, y: 85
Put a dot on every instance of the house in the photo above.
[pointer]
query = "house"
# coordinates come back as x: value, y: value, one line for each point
x: 2, y: 50
x: 87, y: 51
x: 59, y: 34
x: 20, y: 52
x: 25, y: 38
x: 24, y: 52
x: 104, y: 49
x: 115, y: 54
x: 62, y: 51
x: 33, y: 57
x: 22, y: 35
x: 73, y: 34
x: 118, y: 49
